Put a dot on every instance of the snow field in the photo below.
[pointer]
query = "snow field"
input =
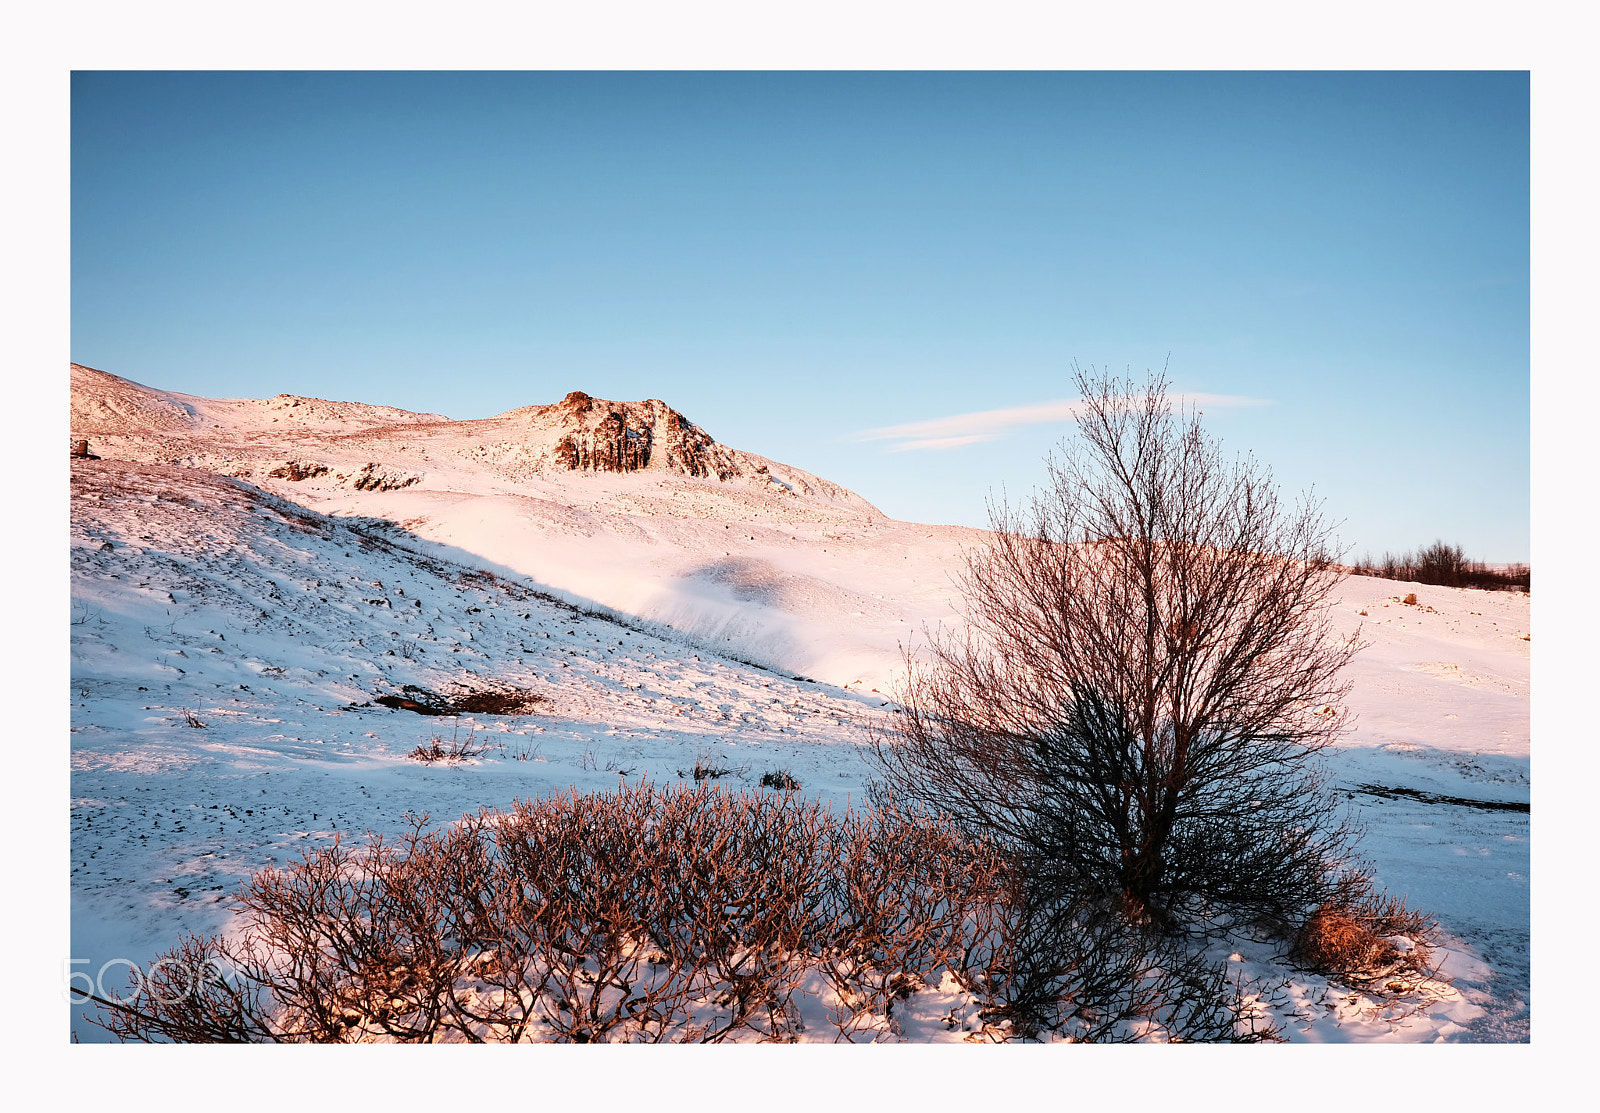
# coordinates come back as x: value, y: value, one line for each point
x: 663, y: 618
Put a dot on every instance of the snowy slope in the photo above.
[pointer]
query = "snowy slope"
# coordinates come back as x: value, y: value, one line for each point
x: 273, y: 610
x: 199, y: 597
x: 738, y: 552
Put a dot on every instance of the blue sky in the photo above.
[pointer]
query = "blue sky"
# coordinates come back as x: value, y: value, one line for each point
x: 797, y: 260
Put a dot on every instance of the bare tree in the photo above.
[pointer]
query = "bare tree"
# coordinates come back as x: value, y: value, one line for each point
x: 1442, y: 563
x: 1134, y: 707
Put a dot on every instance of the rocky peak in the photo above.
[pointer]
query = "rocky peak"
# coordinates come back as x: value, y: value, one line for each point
x: 592, y: 434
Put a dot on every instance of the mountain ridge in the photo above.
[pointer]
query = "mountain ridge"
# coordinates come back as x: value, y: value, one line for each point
x: 298, y: 438
x: 626, y: 506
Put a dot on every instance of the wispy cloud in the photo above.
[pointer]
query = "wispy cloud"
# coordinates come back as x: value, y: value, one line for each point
x: 960, y: 430
x: 939, y: 444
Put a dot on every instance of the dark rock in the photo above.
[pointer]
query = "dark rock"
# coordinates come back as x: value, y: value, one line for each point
x: 372, y: 479
x: 295, y: 472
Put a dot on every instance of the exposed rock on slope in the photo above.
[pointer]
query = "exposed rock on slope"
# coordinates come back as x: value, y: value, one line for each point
x: 595, y: 435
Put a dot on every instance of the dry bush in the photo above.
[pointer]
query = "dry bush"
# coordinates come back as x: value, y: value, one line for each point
x: 1447, y: 566
x: 908, y: 891
x: 745, y: 877
x: 347, y: 946
x: 684, y: 914
x: 192, y: 994
x: 679, y: 914
x: 780, y: 779
x: 414, y: 699
x: 573, y: 907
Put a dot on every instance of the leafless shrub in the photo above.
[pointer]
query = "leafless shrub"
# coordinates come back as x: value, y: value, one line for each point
x: 345, y: 947
x: 1442, y: 564
x: 573, y: 910
x: 1134, y: 711
x: 190, y: 719
x: 745, y: 877
x: 187, y: 996
x: 780, y: 779
x: 685, y: 914
x: 908, y: 891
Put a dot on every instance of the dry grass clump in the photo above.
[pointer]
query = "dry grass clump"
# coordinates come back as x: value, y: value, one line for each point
x: 450, y: 750
x: 707, y: 768
x: 1367, y: 940
x: 1332, y: 941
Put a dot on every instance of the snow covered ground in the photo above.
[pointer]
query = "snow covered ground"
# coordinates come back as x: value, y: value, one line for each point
x: 754, y: 620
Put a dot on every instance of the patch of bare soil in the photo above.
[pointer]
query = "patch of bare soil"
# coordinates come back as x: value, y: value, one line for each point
x: 483, y: 701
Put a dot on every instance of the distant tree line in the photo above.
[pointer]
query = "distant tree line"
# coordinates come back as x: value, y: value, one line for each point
x: 1446, y: 566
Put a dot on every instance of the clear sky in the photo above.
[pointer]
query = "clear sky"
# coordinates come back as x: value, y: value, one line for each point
x: 835, y: 269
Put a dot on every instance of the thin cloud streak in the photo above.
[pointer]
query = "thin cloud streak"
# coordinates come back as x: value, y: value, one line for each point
x: 959, y: 430
x: 939, y: 444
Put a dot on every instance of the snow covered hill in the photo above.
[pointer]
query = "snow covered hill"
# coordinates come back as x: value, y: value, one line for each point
x: 270, y: 569
x: 626, y: 507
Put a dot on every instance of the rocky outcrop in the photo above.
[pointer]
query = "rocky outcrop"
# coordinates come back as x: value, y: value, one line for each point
x: 376, y: 478
x: 296, y: 472
x: 596, y: 435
